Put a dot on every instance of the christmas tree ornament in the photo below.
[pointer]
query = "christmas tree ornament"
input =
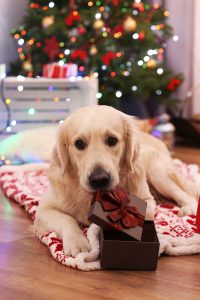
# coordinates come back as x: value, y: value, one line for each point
x: 103, y: 37
x: 72, y: 18
x: 108, y: 57
x: 51, y: 47
x: 173, y: 84
x: 139, y: 6
x: 27, y: 66
x: 81, y: 30
x: 81, y: 54
x: 48, y: 21
x: 141, y: 35
x: 130, y: 24
x: 98, y: 24
x: 151, y: 64
x: 93, y: 50
x: 118, y: 31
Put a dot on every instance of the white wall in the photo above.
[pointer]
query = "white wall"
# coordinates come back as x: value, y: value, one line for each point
x: 196, y: 59
x: 11, y: 12
x: 180, y: 53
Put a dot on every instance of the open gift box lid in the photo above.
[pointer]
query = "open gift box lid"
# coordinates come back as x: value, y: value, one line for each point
x: 119, y: 210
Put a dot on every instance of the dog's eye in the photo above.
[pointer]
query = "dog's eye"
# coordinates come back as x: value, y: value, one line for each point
x: 80, y: 144
x: 111, y: 141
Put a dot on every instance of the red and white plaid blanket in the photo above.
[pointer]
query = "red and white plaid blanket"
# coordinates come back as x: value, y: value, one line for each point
x: 177, y: 235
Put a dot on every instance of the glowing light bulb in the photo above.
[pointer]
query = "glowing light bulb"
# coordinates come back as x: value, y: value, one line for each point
x: 8, y: 101
x: 8, y: 129
x: 56, y: 99
x: 118, y: 94
x: 159, y: 92
x: 175, y: 38
x: 104, y: 67
x: 146, y: 58
x: 135, y: 12
x: 21, y: 42
x: 31, y: 111
x: 160, y: 71
x: 13, y: 123
x: 20, y: 88
x: 134, y: 88
x: 98, y: 16
x: 67, y: 52
x: 96, y: 74
x: 135, y: 36
x: 61, y: 62
x: 140, y: 63
x: 99, y: 95
x: 67, y: 99
x: 51, y: 4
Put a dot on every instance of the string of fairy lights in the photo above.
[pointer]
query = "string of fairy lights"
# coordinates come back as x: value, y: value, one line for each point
x: 152, y: 58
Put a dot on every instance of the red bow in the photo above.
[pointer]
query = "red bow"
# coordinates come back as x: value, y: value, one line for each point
x: 72, y: 18
x: 81, y: 54
x: 108, y: 57
x: 121, y: 215
x: 173, y: 84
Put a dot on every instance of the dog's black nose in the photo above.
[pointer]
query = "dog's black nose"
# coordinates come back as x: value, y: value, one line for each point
x: 99, y: 179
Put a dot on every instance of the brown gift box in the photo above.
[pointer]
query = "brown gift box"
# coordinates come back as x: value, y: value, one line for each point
x: 134, y: 248
x: 120, y: 252
x: 119, y: 210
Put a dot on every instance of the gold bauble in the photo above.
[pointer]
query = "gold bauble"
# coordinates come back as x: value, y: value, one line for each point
x: 130, y: 24
x: 152, y: 63
x: 98, y: 24
x: 27, y: 66
x: 47, y: 21
x: 93, y: 50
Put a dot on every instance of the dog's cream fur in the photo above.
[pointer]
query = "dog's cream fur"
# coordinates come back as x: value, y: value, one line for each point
x: 134, y: 160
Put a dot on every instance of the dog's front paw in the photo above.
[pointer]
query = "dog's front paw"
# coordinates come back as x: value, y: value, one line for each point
x: 75, y: 244
x: 151, y: 207
x: 189, y: 209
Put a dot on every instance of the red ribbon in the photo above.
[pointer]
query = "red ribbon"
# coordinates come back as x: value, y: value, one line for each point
x: 121, y: 215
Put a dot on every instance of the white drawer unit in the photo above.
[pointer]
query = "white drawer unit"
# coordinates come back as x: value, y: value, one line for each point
x: 35, y: 102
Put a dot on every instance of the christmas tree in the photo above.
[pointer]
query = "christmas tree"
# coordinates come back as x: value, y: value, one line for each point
x: 120, y: 42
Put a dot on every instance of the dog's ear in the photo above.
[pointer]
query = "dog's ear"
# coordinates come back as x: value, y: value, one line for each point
x: 132, y: 146
x: 61, y: 150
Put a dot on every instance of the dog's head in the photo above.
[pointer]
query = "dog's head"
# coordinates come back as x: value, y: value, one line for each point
x: 96, y: 144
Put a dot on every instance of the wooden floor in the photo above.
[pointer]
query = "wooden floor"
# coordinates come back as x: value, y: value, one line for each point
x: 27, y: 271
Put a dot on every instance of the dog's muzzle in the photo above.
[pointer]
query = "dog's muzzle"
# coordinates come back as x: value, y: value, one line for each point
x: 99, y: 179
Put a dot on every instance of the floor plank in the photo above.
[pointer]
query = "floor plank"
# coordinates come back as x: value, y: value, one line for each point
x: 27, y: 270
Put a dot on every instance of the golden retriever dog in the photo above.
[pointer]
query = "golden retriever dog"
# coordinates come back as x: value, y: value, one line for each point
x: 98, y: 148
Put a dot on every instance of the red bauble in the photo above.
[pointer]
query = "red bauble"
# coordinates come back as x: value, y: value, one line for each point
x: 51, y: 47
